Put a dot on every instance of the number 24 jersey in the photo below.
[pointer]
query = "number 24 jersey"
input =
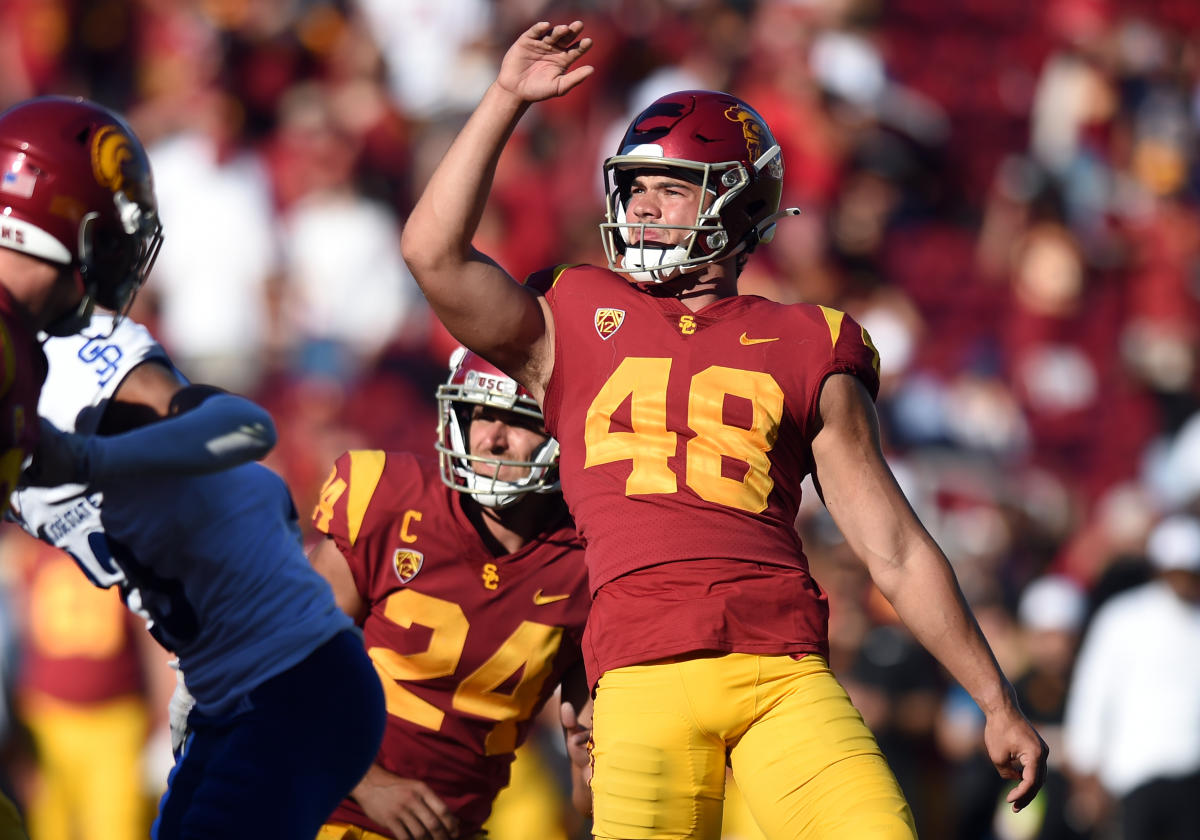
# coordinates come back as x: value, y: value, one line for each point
x: 469, y: 646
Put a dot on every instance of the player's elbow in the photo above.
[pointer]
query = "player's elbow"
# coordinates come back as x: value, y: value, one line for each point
x: 243, y: 430
x: 418, y: 250
x: 260, y: 431
x: 432, y: 259
x: 264, y: 436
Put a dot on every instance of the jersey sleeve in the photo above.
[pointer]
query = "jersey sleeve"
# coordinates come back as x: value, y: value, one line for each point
x: 351, y: 511
x: 852, y: 351
x: 22, y: 371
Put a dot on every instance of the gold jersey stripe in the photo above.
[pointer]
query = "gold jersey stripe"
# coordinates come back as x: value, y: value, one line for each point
x: 833, y: 320
x: 558, y: 272
x: 366, y: 468
x: 866, y: 338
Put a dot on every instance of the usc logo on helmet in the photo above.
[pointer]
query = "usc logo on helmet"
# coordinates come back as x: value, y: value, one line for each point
x: 752, y: 129
x: 111, y: 151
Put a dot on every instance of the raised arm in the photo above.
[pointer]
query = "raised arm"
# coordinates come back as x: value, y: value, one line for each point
x: 475, y: 298
x: 914, y: 575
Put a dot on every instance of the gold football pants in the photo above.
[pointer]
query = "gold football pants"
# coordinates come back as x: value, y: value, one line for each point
x: 806, y: 764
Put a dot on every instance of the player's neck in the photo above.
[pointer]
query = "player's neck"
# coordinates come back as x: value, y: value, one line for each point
x: 509, y: 529
x: 698, y: 289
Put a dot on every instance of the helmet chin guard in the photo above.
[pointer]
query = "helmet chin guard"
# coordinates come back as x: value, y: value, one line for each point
x: 475, y: 382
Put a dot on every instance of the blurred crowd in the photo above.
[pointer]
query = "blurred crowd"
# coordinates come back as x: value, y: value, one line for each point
x: 1007, y: 195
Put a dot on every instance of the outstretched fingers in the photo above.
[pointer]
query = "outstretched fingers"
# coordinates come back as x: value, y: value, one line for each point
x: 562, y: 43
x: 561, y: 36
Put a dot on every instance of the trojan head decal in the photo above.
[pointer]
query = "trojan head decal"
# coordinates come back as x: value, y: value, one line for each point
x: 752, y: 129
x: 112, y: 150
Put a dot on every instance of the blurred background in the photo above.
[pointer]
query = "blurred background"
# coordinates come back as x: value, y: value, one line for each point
x: 1004, y: 194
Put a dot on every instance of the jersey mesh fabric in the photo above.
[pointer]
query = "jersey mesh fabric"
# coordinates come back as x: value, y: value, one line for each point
x: 468, y: 645
x: 685, y: 438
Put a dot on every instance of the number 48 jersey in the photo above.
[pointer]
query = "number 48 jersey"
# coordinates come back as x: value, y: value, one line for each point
x: 688, y: 434
x: 469, y: 646
x: 685, y: 439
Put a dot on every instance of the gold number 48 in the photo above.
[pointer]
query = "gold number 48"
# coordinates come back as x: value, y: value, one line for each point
x: 643, y: 381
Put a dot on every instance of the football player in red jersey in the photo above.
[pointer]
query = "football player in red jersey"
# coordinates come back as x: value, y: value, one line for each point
x: 467, y: 577
x: 78, y: 226
x: 688, y: 417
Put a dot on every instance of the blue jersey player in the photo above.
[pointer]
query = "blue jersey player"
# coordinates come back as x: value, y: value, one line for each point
x: 149, y: 483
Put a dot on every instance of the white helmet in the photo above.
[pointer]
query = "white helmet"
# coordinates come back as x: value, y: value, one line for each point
x: 473, y: 382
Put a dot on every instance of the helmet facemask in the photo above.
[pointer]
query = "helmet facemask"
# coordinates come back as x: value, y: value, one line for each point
x: 708, y: 240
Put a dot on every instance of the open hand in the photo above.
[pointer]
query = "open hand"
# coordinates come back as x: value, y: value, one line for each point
x: 578, y: 734
x: 577, y: 727
x: 537, y: 66
x: 408, y: 808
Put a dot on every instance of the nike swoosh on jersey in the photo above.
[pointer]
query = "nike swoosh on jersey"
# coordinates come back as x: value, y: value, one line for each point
x: 747, y: 340
x: 540, y: 599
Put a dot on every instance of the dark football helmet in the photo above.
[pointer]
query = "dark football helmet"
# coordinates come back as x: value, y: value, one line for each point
x: 717, y: 141
x: 473, y: 381
x: 76, y: 189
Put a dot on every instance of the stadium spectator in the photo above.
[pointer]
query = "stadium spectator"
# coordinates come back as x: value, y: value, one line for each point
x: 1131, y: 736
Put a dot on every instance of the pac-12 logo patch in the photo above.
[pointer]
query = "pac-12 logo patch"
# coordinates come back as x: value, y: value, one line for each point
x: 407, y: 563
x: 608, y: 321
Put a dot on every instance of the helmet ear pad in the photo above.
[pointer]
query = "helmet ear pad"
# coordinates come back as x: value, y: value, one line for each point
x: 107, y: 256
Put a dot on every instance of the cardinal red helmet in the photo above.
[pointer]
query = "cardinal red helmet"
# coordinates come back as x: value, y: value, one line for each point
x: 474, y: 381
x: 76, y: 189
x: 717, y: 141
